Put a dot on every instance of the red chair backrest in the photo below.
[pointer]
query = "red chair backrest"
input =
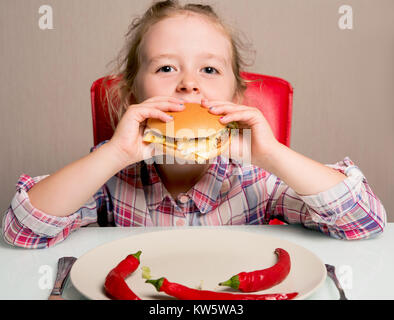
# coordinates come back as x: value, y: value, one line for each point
x: 271, y: 95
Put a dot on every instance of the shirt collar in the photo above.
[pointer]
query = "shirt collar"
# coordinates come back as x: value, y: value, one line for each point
x: 204, y: 193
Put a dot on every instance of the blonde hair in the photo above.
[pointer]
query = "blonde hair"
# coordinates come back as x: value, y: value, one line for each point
x: 120, y: 95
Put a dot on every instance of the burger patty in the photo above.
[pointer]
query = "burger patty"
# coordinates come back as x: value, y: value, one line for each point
x: 198, y: 147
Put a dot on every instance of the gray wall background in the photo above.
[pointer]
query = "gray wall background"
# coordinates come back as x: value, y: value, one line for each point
x: 343, y: 79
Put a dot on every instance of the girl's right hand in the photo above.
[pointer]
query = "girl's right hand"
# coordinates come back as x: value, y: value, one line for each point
x: 127, y: 138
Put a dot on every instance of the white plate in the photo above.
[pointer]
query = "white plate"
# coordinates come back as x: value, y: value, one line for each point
x: 195, y: 257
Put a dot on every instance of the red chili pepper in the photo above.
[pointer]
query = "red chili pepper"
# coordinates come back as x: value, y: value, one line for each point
x: 262, y: 279
x: 185, y: 293
x: 115, y: 284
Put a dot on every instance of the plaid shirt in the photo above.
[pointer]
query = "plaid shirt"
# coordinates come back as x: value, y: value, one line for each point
x: 228, y: 194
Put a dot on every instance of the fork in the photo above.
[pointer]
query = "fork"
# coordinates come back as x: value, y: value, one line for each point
x: 332, y: 275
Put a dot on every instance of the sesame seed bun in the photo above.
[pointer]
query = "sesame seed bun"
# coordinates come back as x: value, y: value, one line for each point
x: 193, y: 122
x: 193, y: 135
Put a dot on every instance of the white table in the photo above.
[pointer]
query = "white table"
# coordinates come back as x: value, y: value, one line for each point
x: 364, y: 266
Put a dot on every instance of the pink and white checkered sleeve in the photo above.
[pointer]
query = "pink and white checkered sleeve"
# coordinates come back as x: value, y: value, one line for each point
x: 349, y: 210
x: 28, y: 227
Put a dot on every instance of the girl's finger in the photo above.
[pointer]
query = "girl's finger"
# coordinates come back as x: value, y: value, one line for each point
x: 164, y: 98
x: 214, y: 103
x: 248, y: 117
x: 224, y: 109
x: 143, y: 113
x: 165, y: 106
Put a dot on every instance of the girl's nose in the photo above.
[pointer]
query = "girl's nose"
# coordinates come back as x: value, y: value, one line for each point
x: 188, y: 85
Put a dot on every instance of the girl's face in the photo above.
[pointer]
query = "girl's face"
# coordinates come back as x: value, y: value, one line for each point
x: 185, y: 57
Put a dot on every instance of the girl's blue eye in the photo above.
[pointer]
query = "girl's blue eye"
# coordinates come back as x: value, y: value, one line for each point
x: 211, y: 70
x: 165, y: 69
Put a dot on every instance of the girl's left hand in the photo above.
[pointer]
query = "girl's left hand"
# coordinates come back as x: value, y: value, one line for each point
x: 261, y: 136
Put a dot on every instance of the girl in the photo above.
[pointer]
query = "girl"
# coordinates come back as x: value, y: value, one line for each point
x: 176, y: 54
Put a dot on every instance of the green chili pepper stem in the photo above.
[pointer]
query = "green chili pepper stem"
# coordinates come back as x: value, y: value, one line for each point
x: 233, y: 282
x: 137, y: 255
x: 157, y: 283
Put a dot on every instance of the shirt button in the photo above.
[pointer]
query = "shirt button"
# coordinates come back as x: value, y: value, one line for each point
x: 225, y: 186
x: 183, y: 198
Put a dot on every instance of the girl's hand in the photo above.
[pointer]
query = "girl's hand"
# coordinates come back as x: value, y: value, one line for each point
x: 261, y: 136
x: 127, y: 139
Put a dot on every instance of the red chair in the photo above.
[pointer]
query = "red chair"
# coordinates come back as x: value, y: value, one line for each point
x: 272, y: 95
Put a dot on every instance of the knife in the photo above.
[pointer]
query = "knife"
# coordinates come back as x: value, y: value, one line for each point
x: 64, y: 265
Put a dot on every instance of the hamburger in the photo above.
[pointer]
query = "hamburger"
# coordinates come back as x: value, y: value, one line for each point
x: 194, y: 134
